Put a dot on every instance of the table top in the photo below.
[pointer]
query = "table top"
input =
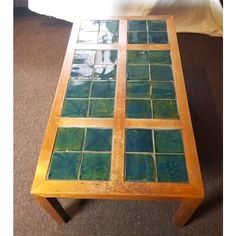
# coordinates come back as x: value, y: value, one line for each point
x: 120, y: 126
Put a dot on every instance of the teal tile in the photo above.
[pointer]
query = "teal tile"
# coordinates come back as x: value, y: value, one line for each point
x: 78, y: 89
x: 161, y: 73
x: 158, y: 37
x: 87, y: 37
x: 138, y: 90
x: 137, y: 57
x: 84, y: 57
x: 157, y: 25
x: 159, y: 57
x: 109, y: 26
x: 139, y: 140
x: 138, y: 109
x: 65, y: 166
x: 69, y: 139
x: 106, y: 57
x: 81, y: 71
x: 166, y: 109
x: 104, y: 72
x: 138, y: 72
x: 137, y: 25
x: 89, y: 25
x: 75, y: 108
x: 108, y: 37
x: 139, y: 167
x: 95, y: 166
x: 171, y: 168
x: 168, y: 141
x: 137, y: 37
x: 98, y: 140
x: 101, y: 108
x: 103, y: 89
x: 163, y: 90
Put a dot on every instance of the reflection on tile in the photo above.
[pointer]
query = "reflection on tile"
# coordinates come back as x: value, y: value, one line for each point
x: 98, y: 140
x: 163, y: 90
x: 75, y: 108
x: 156, y: 25
x: 88, y: 37
x: 158, y: 37
x: 165, y: 109
x: 138, y: 109
x: 106, y: 57
x: 81, y: 71
x: 140, y: 167
x: 65, y: 166
x: 138, y: 72
x: 104, y: 89
x: 78, y: 89
x: 137, y: 25
x: 89, y: 25
x: 139, y: 140
x: 109, y: 26
x: 161, y: 73
x: 84, y: 57
x: 138, y: 90
x: 137, y: 57
x: 108, y: 37
x: 104, y: 72
x: 101, y: 108
x: 159, y: 57
x: 171, y: 168
x: 168, y: 141
x: 137, y: 37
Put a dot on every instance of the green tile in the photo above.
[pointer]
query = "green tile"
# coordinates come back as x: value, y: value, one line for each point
x: 168, y: 141
x: 89, y: 25
x: 65, y: 166
x: 156, y: 25
x: 87, y: 37
x: 84, y: 57
x: 166, y: 109
x: 138, y: 72
x: 163, y: 90
x: 106, y: 57
x: 158, y: 37
x: 75, y: 108
x: 108, y: 37
x: 104, y: 89
x: 137, y: 57
x: 81, y: 71
x: 138, y: 109
x: 78, y: 89
x: 161, y: 73
x: 109, y: 25
x: 69, y: 139
x: 98, y: 140
x: 137, y: 25
x: 95, y: 166
x: 101, y: 108
x: 138, y: 90
x: 140, y: 168
x: 137, y: 37
x: 159, y: 57
x: 104, y: 72
x: 171, y: 168
x: 139, y: 140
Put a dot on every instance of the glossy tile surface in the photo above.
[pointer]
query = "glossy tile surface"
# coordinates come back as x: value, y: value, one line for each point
x: 161, y: 73
x: 137, y: 25
x: 137, y: 37
x: 78, y: 89
x: 159, y: 57
x: 165, y: 109
x: 137, y: 57
x: 75, y: 108
x: 138, y: 89
x: 108, y: 37
x: 140, y: 72
x: 157, y: 25
x: 163, y: 90
x: 103, y: 89
x: 104, y: 72
x: 138, y: 108
x: 101, y: 108
x: 158, y: 37
x: 109, y: 26
x: 106, y: 57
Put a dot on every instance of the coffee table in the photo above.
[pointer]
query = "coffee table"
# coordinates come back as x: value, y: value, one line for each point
x: 120, y: 126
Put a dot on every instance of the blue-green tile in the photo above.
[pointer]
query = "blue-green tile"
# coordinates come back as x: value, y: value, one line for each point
x: 166, y: 109
x: 161, y: 73
x: 137, y: 57
x: 81, y: 71
x: 89, y: 25
x: 159, y: 57
x: 84, y: 57
x: 156, y: 25
x: 106, y: 57
x: 109, y: 25
x: 138, y: 90
x: 95, y: 166
x: 171, y: 168
x: 88, y: 37
x: 138, y: 72
x: 108, y: 37
x: 137, y: 37
x: 139, y: 140
x: 104, y: 89
x: 104, y: 72
x: 65, y: 166
x: 101, y: 108
x: 78, y: 89
x: 98, y: 140
x: 138, y: 109
x: 75, y: 108
x: 163, y: 90
x: 158, y: 37
x: 137, y: 25
x: 140, y: 167
x: 168, y: 141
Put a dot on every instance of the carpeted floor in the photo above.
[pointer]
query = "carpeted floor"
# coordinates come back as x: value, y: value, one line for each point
x: 39, y: 47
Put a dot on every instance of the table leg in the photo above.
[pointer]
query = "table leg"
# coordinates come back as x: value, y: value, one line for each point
x: 54, y: 209
x: 185, y: 211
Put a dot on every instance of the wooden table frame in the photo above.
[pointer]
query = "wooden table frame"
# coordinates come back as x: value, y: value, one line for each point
x: 190, y: 194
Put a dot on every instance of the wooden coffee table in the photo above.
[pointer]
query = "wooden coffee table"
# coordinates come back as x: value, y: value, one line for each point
x: 120, y: 126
